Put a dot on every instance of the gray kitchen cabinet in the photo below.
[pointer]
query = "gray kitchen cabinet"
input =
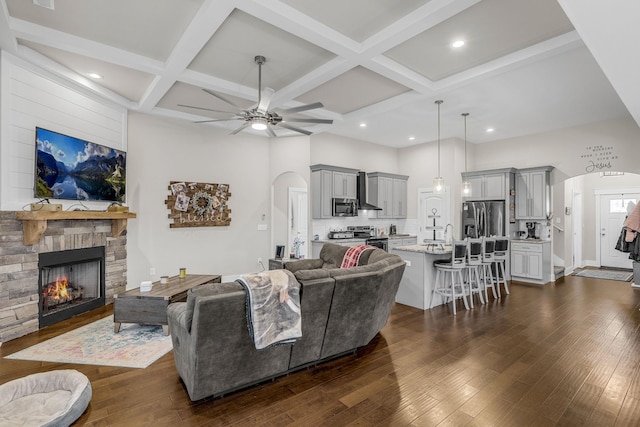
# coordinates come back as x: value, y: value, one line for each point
x: 399, y: 198
x: 405, y: 241
x: 533, y: 190
x: 328, y: 182
x: 489, y: 185
x: 531, y: 262
x: 388, y: 192
x: 345, y: 185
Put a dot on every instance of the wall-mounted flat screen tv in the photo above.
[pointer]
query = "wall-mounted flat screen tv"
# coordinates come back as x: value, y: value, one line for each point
x: 73, y: 169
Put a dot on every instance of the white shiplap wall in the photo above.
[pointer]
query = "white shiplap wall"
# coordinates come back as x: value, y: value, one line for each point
x: 30, y: 98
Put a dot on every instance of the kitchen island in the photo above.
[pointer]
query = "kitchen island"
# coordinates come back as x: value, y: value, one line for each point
x: 420, y: 274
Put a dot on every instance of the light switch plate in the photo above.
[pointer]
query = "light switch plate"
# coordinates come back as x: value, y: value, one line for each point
x: 262, y: 227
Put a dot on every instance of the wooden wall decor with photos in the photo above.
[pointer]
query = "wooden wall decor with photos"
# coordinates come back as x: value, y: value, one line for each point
x: 198, y: 204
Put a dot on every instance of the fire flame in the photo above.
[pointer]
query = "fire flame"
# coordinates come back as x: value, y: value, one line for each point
x: 59, y: 290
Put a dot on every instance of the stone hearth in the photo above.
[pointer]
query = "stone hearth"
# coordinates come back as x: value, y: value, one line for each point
x: 19, y: 265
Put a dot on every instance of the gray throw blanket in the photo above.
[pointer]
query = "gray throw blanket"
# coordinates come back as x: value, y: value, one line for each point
x: 273, y: 307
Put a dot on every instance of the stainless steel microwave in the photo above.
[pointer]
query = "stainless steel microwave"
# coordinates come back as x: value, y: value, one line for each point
x: 344, y: 207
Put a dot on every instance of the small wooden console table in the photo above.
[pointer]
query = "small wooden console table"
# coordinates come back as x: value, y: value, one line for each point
x: 150, y: 308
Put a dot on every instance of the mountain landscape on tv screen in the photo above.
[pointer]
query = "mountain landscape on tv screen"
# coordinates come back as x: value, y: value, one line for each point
x: 88, y: 172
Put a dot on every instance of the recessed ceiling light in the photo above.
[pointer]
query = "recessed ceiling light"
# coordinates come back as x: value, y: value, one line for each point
x: 94, y: 75
x: 363, y: 125
x: 457, y: 43
x: 412, y: 138
x: 490, y: 129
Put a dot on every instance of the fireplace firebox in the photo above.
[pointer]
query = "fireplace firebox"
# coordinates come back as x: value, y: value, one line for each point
x: 71, y: 282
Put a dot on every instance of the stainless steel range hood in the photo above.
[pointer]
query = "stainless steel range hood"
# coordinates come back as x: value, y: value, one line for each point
x: 362, y: 194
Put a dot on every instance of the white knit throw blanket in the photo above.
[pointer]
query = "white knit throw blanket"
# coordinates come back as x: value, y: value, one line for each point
x: 273, y: 307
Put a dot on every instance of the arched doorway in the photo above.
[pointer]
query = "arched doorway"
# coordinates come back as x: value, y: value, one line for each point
x: 586, y: 232
x: 290, y: 213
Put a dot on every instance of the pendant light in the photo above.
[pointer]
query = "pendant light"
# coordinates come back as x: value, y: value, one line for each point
x: 438, y: 182
x: 466, y: 185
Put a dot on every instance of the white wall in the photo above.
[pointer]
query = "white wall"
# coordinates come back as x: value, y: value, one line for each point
x: 351, y: 153
x: 420, y: 162
x: 30, y: 98
x: 161, y: 151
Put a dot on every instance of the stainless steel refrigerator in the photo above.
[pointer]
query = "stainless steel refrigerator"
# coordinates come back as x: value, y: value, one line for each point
x: 483, y: 219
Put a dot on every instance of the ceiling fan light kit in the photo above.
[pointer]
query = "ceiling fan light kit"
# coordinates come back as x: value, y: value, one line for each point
x: 260, y: 117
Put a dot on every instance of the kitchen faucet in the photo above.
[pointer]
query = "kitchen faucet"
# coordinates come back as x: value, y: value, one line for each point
x: 445, y: 232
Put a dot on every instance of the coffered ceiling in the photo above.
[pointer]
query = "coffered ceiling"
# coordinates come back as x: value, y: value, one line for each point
x: 523, y: 68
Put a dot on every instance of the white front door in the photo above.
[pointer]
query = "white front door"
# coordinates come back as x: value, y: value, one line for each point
x: 613, y: 211
x: 433, y: 214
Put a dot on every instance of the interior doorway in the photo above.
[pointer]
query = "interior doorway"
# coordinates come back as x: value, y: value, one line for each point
x: 614, y: 208
x: 297, y: 220
x: 290, y: 213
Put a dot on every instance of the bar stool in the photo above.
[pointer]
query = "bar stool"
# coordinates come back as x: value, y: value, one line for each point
x: 500, y: 258
x: 488, y: 248
x: 455, y: 287
x: 474, y: 263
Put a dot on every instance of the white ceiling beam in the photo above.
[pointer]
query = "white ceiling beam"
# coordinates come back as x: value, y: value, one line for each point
x: 545, y: 49
x: 390, y: 104
x: 414, y: 23
x: 206, y: 81
x: 204, y: 24
x: 64, y: 41
x: 51, y: 68
x: 7, y: 40
x: 320, y: 75
x: 300, y: 25
x: 611, y: 32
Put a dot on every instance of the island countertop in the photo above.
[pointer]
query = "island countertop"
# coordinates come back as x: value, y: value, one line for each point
x: 425, y: 249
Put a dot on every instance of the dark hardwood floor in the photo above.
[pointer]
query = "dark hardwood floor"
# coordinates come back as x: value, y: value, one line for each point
x: 564, y: 354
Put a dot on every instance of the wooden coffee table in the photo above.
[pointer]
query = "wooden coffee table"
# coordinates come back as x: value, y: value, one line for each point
x: 150, y: 308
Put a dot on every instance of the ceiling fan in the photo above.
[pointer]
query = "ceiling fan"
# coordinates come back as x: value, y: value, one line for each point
x: 260, y: 117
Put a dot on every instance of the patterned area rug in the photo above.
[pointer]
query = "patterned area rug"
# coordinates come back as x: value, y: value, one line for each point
x: 623, y: 276
x: 135, y: 346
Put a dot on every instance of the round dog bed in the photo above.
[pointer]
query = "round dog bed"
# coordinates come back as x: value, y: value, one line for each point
x: 55, y: 398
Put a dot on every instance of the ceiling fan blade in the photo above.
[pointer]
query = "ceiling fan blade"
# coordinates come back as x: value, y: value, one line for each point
x: 323, y: 121
x: 206, y: 109
x: 244, y: 125
x: 219, y: 120
x: 284, y: 125
x: 222, y: 98
x: 303, y: 108
x: 265, y: 100
x: 270, y: 131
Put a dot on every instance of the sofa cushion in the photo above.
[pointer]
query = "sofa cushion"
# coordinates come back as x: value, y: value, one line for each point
x: 332, y: 255
x: 335, y: 272
x: 302, y: 264
x: 204, y: 290
x: 318, y: 273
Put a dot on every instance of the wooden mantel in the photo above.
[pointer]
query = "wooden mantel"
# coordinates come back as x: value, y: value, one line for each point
x: 34, y: 223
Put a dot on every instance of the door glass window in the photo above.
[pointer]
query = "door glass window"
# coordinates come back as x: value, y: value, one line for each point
x: 619, y: 205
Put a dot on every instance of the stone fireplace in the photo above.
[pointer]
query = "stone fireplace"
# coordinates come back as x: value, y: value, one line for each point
x: 20, y: 276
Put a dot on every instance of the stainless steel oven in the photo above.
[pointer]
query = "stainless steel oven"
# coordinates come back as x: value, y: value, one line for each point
x: 344, y: 207
x: 379, y: 242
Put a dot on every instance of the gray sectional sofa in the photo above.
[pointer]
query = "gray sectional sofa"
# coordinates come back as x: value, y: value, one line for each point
x: 342, y: 310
